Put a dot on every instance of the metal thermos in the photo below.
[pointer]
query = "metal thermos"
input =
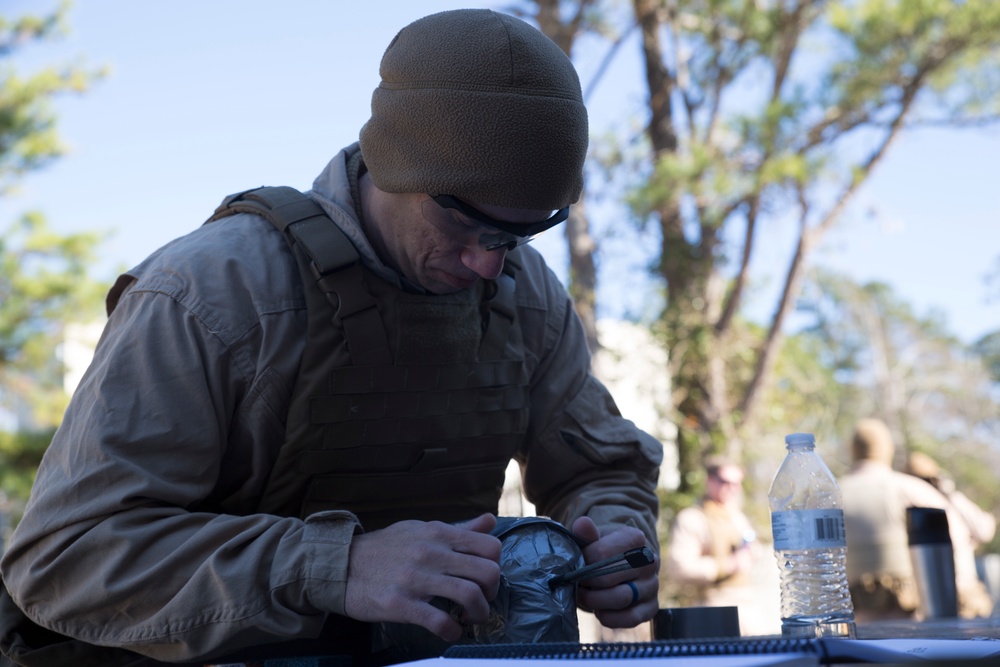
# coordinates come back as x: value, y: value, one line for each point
x: 933, y: 561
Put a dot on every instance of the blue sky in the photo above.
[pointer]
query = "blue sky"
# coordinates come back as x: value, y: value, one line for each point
x: 208, y: 98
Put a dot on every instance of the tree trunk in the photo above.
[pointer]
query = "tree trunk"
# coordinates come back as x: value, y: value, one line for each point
x: 579, y: 241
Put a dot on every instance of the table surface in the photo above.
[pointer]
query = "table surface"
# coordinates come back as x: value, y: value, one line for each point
x: 940, y: 628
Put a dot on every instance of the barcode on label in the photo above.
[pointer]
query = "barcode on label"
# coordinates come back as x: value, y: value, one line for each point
x: 828, y: 529
x: 808, y: 529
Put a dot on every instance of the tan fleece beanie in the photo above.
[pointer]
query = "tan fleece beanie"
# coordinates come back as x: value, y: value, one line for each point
x: 479, y: 105
x: 872, y: 442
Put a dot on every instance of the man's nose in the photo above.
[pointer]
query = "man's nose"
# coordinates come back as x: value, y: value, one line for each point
x: 486, y: 263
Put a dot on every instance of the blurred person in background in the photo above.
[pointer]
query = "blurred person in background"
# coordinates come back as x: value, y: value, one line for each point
x: 879, y: 570
x: 713, y: 548
x: 981, y: 524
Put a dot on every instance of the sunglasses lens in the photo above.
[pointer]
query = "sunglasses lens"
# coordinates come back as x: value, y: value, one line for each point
x: 522, y: 231
x: 460, y: 226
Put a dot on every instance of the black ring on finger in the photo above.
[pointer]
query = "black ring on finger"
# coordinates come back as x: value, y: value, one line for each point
x: 635, y: 593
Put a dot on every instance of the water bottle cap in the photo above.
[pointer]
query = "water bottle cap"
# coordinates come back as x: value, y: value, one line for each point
x: 793, y: 439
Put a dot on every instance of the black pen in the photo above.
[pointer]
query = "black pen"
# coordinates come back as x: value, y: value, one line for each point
x: 629, y: 560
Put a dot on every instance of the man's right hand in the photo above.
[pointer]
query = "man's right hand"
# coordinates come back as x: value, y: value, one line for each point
x: 393, y: 573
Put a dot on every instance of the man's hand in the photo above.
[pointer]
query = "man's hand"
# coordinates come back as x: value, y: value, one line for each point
x: 393, y: 573
x: 610, y: 597
x: 741, y: 561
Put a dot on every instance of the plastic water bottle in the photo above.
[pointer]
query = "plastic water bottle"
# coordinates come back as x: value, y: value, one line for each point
x: 807, y: 521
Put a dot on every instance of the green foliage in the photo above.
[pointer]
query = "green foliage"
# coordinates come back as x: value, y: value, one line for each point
x: 20, y: 454
x: 987, y: 349
x: 939, y: 45
x: 44, y: 279
x: 28, y: 138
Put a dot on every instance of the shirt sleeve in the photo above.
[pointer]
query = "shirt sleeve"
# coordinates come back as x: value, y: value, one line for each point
x: 581, y: 456
x: 982, y: 525
x: 140, y: 532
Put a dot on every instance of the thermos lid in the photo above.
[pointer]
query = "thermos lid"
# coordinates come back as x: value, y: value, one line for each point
x: 927, y: 525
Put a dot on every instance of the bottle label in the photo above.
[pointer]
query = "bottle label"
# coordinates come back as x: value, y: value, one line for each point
x: 808, y: 529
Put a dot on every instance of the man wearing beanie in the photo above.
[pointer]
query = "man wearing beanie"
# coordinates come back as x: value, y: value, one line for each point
x: 297, y: 421
x: 876, y: 496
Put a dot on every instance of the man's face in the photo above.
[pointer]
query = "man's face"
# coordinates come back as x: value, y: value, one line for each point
x: 442, y: 249
x: 725, y: 485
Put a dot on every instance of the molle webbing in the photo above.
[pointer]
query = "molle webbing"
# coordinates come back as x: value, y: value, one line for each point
x: 427, y: 437
x: 372, y: 398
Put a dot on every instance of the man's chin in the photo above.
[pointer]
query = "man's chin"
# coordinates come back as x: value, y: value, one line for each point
x: 447, y: 283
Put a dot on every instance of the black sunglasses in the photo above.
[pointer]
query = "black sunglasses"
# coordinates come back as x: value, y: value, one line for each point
x: 523, y: 229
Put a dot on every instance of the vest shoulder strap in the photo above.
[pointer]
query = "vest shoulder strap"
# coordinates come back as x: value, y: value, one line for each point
x: 299, y: 217
x: 330, y: 258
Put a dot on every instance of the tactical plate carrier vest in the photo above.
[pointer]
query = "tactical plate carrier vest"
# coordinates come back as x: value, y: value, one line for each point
x: 407, y: 406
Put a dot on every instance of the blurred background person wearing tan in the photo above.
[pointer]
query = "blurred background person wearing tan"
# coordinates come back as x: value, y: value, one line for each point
x: 879, y: 570
x: 981, y: 524
x: 712, y: 547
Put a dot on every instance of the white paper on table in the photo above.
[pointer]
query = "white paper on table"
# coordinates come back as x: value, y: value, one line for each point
x: 895, y: 650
